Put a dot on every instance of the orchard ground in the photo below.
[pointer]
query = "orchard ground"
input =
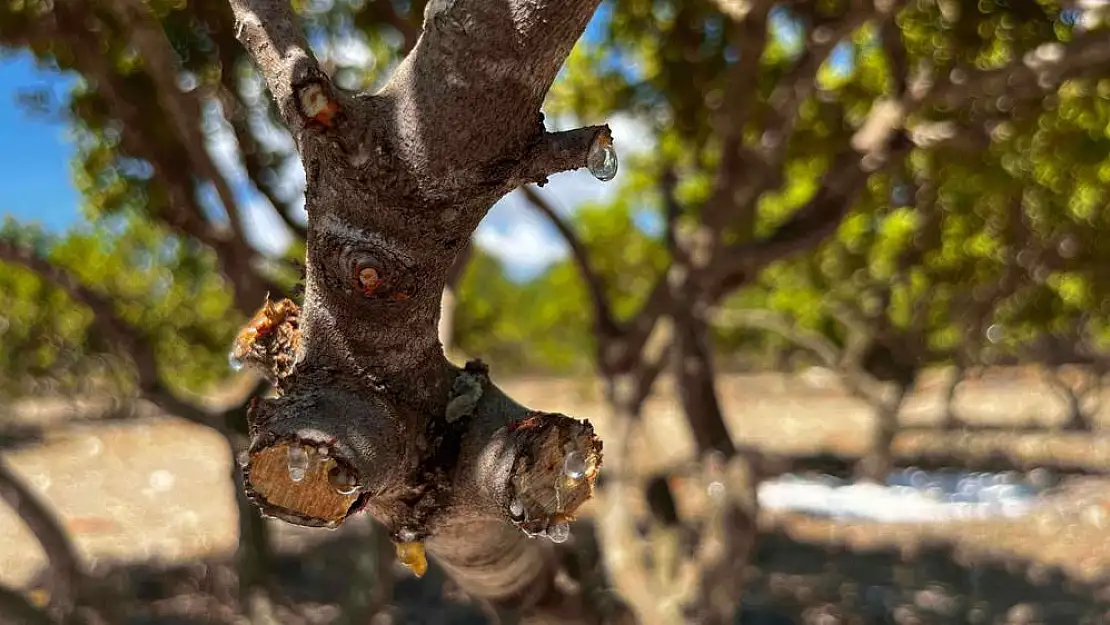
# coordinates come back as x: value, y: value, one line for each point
x: 137, y: 488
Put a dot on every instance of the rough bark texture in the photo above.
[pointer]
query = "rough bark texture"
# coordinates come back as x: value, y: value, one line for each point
x: 375, y: 417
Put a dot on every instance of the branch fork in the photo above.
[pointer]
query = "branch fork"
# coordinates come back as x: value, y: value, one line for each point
x: 370, y: 416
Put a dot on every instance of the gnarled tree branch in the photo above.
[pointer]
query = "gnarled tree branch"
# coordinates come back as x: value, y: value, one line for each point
x: 371, y: 415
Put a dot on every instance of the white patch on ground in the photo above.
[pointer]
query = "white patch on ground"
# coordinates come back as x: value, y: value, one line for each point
x: 912, y: 496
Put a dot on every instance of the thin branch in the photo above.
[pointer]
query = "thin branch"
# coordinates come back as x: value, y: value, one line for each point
x: 446, y: 329
x: 825, y: 350
x: 603, y: 314
x: 809, y: 225
x: 182, y: 109
x: 69, y: 22
x: 672, y: 210
x: 562, y: 151
x: 647, y: 372
x: 737, y: 190
x: 65, y: 569
x: 270, y: 32
x: 749, y: 36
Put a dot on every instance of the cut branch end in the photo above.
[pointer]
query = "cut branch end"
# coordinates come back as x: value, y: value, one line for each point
x: 590, y: 147
x: 295, y: 480
x: 554, y: 473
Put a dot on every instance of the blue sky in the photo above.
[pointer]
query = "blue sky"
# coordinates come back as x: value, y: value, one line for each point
x: 35, y: 153
x: 36, y: 184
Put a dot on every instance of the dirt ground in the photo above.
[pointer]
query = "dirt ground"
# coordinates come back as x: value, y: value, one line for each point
x: 156, y: 490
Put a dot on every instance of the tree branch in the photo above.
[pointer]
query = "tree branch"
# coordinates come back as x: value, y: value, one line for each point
x: 182, y: 109
x: 825, y: 350
x: 563, y: 151
x: 70, y: 23
x: 749, y: 36
x: 235, y: 111
x: 127, y: 338
x: 603, y: 315
x: 270, y: 32
x: 739, y: 187
x: 807, y: 227
x: 371, y: 416
x: 1039, y: 71
x: 66, y: 573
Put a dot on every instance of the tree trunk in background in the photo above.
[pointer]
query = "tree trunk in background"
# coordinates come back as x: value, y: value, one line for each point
x: 1077, y: 419
x: 371, y: 588
x: 65, y: 572
x: 696, y: 385
x: 729, y: 526
x: 449, y: 301
x: 879, y: 461
x: 951, y: 421
x: 253, y: 556
x: 621, y: 543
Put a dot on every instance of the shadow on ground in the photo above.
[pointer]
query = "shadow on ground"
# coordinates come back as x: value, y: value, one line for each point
x: 790, y: 582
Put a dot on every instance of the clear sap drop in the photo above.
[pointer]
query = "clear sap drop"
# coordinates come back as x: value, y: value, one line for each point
x: 342, y: 480
x: 298, y: 463
x: 574, y: 465
x: 558, y: 532
x: 234, y: 362
x: 516, y: 508
x: 602, y: 159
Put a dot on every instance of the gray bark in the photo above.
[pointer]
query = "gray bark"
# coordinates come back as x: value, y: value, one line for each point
x: 396, y: 183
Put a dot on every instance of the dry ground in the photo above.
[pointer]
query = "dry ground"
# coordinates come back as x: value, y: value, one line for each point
x: 150, y: 488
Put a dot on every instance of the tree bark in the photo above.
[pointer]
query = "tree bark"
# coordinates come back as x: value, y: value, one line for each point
x: 371, y: 415
x: 622, y: 546
x: 951, y: 420
x: 879, y: 461
x: 695, y: 377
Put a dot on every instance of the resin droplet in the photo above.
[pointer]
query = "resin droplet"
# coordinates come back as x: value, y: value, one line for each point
x: 516, y: 508
x: 602, y: 158
x: 412, y: 556
x: 574, y: 465
x: 298, y: 463
x: 234, y: 362
x: 558, y: 531
x: 342, y: 480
